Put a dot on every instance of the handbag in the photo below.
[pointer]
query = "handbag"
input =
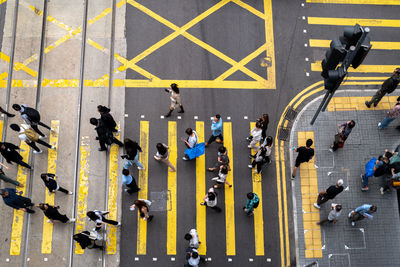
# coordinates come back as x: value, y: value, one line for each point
x: 196, y: 151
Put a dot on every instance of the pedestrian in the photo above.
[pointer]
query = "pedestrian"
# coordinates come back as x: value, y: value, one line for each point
x: 252, y: 202
x: 104, y: 134
x: 381, y: 167
x: 87, y: 239
x: 5, y: 178
x: 52, y: 185
x: 175, y: 99
x: 10, y: 153
x: 388, y: 86
x: 210, y: 200
x: 193, y: 238
x: 130, y: 182
x: 98, y: 217
x: 6, y: 113
x: 13, y: 198
x: 216, y: 128
x: 191, y: 141
x: 143, y: 206
x: 344, y: 132
x: 131, y: 156
x: 255, y: 136
x: 193, y: 258
x: 32, y: 117
x: 333, y: 216
x: 330, y: 193
x: 364, y: 211
x: 391, y: 115
x: 221, y: 178
x: 30, y: 137
x: 264, y: 126
x: 163, y: 155
x: 107, y: 118
x: 305, y: 154
x: 222, y: 159
x: 262, y: 155
x: 51, y: 212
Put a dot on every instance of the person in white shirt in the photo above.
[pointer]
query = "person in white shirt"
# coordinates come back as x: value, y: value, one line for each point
x: 99, y: 218
x: 29, y: 136
x: 255, y: 137
x: 163, y: 155
x: 221, y: 179
x: 193, y: 258
x: 336, y: 210
x: 32, y: 117
x: 210, y: 200
x: 193, y: 238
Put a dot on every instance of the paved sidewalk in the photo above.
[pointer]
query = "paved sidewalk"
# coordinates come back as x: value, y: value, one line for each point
x: 369, y: 243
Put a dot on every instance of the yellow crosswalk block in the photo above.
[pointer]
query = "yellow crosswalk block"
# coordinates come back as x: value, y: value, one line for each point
x: 1, y: 129
x: 18, y: 217
x: 375, y: 45
x: 143, y: 179
x: 357, y: 2
x: 200, y: 192
x: 172, y: 188
x: 358, y: 103
x: 47, y: 234
x: 352, y: 21
x: 361, y: 69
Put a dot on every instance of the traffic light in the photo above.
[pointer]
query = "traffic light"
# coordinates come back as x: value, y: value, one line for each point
x: 351, y: 35
x: 361, y: 53
x: 333, y: 57
x: 334, y: 79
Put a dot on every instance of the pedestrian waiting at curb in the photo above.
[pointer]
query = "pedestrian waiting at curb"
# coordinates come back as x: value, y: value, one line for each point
x: 88, y: 239
x: 334, y: 214
x: 130, y: 182
x: 391, y: 115
x: 193, y: 238
x: 330, y: 193
x: 132, y: 150
x: 364, y: 211
x: 104, y: 134
x: 344, y: 132
x: 32, y: 117
x: 13, y: 198
x: 255, y: 136
x: 388, y: 86
x: 10, y: 153
x: 51, y: 212
x: 210, y: 200
x: 163, y: 155
x: 175, y: 99
x: 222, y: 159
x: 221, y: 178
x: 52, y: 185
x: 5, y: 178
x: 98, y: 217
x: 30, y: 137
x: 216, y: 128
x: 143, y: 206
x: 6, y: 113
x: 252, y: 202
x: 193, y: 258
x: 107, y: 118
x: 262, y: 155
x: 305, y: 154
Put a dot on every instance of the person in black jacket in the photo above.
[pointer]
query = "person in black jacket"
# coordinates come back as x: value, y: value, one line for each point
x: 388, y: 86
x: 10, y: 153
x: 32, y: 117
x: 107, y: 118
x: 85, y: 240
x: 13, y: 199
x: 51, y: 183
x: 52, y: 213
x: 104, y: 135
x: 132, y: 150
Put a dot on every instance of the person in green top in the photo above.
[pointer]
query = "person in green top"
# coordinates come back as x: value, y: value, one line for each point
x: 251, y: 203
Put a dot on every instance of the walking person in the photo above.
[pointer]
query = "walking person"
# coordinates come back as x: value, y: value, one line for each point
x: 222, y: 159
x: 330, y: 193
x: 255, y: 136
x: 381, y: 167
x: 6, y: 113
x: 193, y: 238
x: 191, y: 140
x: 10, y: 153
x: 175, y: 99
x: 107, y: 118
x: 344, y: 132
x: 52, y: 185
x: 98, y: 217
x: 216, y: 128
x: 264, y: 126
x: 27, y: 135
x: 132, y: 150
x: 305, y: 154
x: 32, y: 117
x: 143, y: 206
x: 193, y: 258
x: 364, y: 211
x: 163, y: 155
x: 5, y: 178
x: 87, y: 239
x: 104, y: 134
x: 391, y: 115
x: 13, y: 198
x: 52, y: 213
x: 262, y: 155
x: 221, y: 178
x: 130, y: 182
x: 252, y: 202
x: 210, y: 200
x: 334, y: 214
x: 388, y: 86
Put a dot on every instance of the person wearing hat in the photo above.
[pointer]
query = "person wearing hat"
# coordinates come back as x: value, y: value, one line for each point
x: 329, y: 193
x: 12, y: 198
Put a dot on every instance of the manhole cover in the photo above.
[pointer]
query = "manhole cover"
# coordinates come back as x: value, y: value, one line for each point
x: 160, y: 201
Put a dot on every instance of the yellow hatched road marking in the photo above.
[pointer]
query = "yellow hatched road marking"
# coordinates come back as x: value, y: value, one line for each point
x: 83, y: 190
x: 357, y: 2
x: 258, y: 212
x: 18, y: 217
x: 2, y: 1
x: 375, y: 45
x: 136, y: 68
x: 3, y: 75
x: 172, y: 188
x: 249, y: 8
x: 353, y: 21
x: 47, y: 234
x: 358, y: 103
x: 143, y: 178
x: 200, y: 192
x: 1, y: 129
x: 111, y: 247
x: 229, y: 195
x: 362, y: 68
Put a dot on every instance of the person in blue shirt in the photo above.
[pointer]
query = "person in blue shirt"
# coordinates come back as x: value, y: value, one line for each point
x: 130, y: 182
x: 12, y: 198
x: 364, y: 211
x: 251, y: 203
x: 216, y: 128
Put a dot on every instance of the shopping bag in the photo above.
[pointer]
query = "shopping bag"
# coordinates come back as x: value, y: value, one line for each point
x: 369, y: 167
x: 195, y: 152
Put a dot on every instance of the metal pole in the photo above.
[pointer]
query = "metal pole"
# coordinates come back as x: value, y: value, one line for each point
x: 319, y: 108
x: 327, y: 102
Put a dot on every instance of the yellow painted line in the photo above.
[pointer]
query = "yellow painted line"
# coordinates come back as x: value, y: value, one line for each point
x: 269, y: 41
x: 1, y: 129
x: 229, y: 195
x: 358, y: 103
x: 4, y: 57
x: 98, y: 46
x: 375, y: 45
x: 285, y: 205
x: 136, y: 68
x: 353, y: 21
x: 99, y: 16
x: 249, y: 8
x: 18, y: 217
x: 2, y: 1
x: 3, y: 75
x: 200, y: 192
x: 172, y: 188
x: 258, y: 212
x: 357, y: 2
x: 20, y: 66
x: 47, y: 234
x: 143, y: 178
x: 83, y: 190
x: 361, y: 69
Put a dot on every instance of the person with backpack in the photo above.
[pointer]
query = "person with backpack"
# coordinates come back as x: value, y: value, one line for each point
x: 216, y: 128
x: 52, y: 185
x: 52, y: 213
x: 104, y: 134
x: 381, y: 167
x: 391, y: 115
x: 143, y: 206
x: 107, y: 118
x: 305, y: 154
x: 32, y: 117
x: 210, y: 200
x: 175, y: 98
x: 99, y: 218
x: 388, y: 86
x: 330, y: 193
x: 132, y: 150
x: 344, y: 132
x: 252, y: 202
x: 30, y: 137
x: 88, y: 239
x: 10, y: 153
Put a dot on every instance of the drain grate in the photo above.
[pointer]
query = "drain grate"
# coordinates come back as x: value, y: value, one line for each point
x: 290, y: 114
x: 283, y: 133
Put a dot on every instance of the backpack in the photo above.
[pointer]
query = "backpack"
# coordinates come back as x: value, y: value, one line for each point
x: 31, y: 134
x: 33, y: 114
